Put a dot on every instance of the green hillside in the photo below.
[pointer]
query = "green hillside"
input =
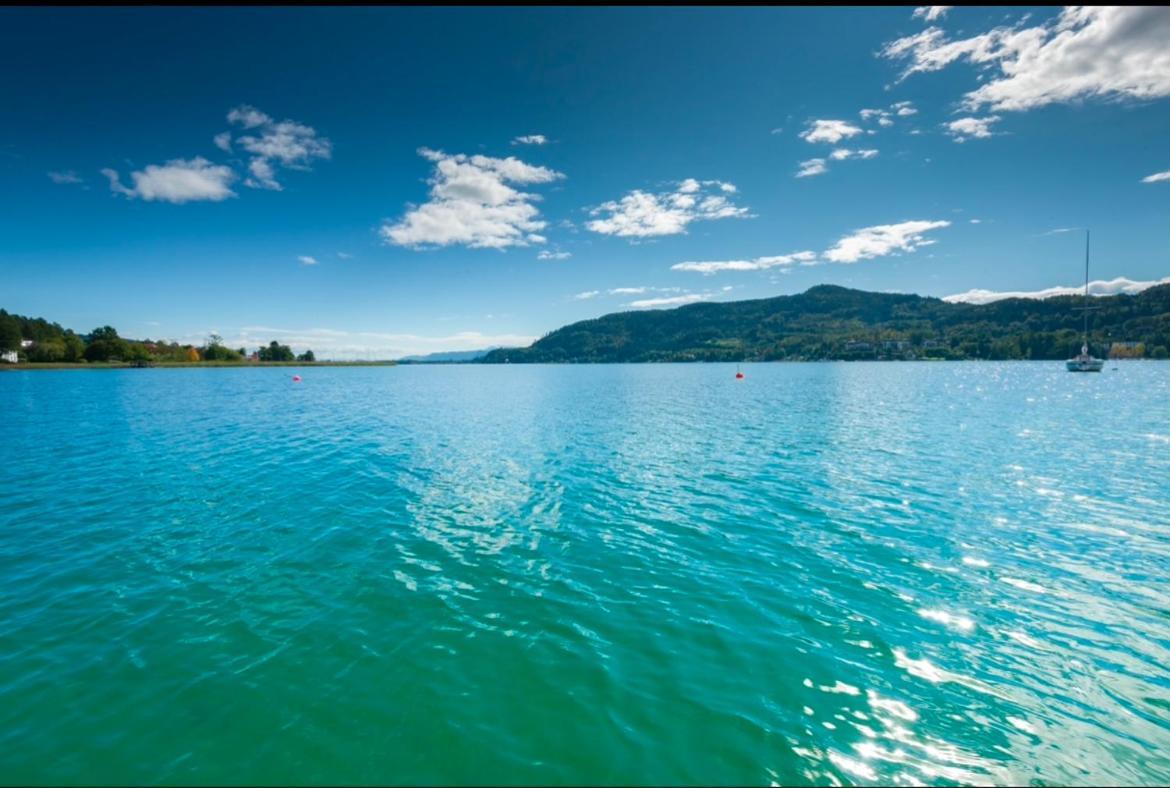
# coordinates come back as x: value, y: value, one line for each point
x: 830, y: 322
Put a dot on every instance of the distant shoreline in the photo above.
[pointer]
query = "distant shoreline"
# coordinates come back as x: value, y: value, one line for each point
x: 237, y: 365
x: 190, y: 364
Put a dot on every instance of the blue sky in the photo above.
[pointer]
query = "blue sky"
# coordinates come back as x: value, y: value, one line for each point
x: 372, y: 182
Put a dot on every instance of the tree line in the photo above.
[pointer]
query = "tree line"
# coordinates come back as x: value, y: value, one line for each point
x: 36, y: 340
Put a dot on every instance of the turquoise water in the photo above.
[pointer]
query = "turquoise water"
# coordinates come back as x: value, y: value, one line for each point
x: 825, y: 573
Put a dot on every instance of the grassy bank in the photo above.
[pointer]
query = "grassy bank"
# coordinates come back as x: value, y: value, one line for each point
x: 192, y: 364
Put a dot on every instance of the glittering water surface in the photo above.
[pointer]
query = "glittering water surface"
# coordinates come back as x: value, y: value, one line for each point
x: 825, y: 573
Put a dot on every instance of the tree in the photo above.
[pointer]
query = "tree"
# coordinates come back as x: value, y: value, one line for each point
x: 106, y: 345
x: 192, y: 354
x: 214, y: 350
x: 136, y: 351
x: 47, y: 351
x: 74, y: 347
x: 276, y: 352
x: 10, y: 334
x: 307, y: 356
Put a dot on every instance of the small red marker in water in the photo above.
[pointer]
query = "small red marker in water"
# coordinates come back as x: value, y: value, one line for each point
x: 296, y: 378
x: 739, y: 376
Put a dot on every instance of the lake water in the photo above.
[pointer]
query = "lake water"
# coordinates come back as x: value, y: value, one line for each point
x: 893, y: 573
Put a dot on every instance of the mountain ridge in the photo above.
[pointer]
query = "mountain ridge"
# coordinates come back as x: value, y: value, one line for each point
x: 831, y: 322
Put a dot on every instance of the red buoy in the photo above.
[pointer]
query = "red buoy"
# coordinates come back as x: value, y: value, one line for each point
x: 296, y: 378
x: 739, y: 376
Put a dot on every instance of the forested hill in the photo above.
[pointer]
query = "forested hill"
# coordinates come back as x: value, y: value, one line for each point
x: 830, y: 322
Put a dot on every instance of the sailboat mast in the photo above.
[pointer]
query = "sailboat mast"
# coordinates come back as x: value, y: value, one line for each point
x: 1086, y: 297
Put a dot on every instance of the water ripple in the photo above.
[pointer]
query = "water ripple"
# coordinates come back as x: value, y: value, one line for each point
x: 650, y: 574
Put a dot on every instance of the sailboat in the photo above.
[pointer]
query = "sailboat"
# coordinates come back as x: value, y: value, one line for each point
x: 1085, y: 361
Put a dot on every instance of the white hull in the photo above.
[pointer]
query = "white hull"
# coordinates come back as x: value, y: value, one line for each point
x: 1084, y: 364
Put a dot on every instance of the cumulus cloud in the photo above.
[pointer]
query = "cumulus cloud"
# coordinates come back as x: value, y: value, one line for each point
x: 472, y: 204
x: 223, y: 141
x: 287, y: 143
x: 68, y: 176
x: 979, y: 128
x: 1100, y: 287
x: 883, y: 116
x: 530, y: 139
x: 263, y: 175
x: 642, y: 214
x: 931, y: 12
x: 1104, y: 52
x: 819, y: 166
x: 586, y: 295
x: 1157, y: 177
x: 307, y: 260
x: 840, y: 154
x: 811, y: 167
x: 830, y: 131
x: 545, y: 254
x: 177, y: 181
x: 651, y: 303
x: 881, y: 240
x: 248, y: 117
x: 756, y: 264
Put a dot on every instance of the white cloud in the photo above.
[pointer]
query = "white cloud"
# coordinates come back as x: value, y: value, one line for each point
x: 472, y: 204
x: 307, y: 260
x: 627, y: 290
x: 223, y: 141
x: 831, y: 131
x: 545, y: 254
x: 811, y: 167
x: 345, y: 255
x: 979, y: 128
x: 840, y: 154
x: 263, y: 176
x: 248, y: 117
x: 288, y: 143
x: 881, y: 240
x: 585, y: 296
x: 1100, y: 287
x: 530, y: 139
x: 756, y: 264
x: 1105, y: 52
x: 329, y: 343
x: 883, y: 117
x: 177, y: 181
x: 69, y: 176
x: 905, y: 108
x: 641, y: 214
x: 975, y: 221
x: 931, y: 12
x: 650, y: 303
x: 1157, y: 177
